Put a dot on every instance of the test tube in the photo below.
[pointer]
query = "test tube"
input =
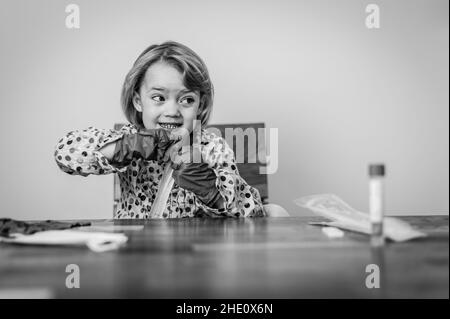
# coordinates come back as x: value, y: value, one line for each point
x: 376, y: 201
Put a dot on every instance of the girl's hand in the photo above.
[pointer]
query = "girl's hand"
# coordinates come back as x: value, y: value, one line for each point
x: 148, y: 144
x: 191, y: 172
x: 200, y: 179
x: 184, y: 150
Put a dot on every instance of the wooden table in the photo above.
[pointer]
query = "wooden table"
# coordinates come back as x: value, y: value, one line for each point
x: 235, y: 258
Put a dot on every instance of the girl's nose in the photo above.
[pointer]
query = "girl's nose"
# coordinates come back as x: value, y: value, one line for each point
x: 172, y: 108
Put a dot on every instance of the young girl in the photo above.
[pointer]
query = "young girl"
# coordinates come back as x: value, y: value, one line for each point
x: 165, y: 92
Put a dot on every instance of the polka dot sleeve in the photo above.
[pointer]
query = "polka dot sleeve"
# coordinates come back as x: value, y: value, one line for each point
x: 240, y: 199
x: 77, y: 153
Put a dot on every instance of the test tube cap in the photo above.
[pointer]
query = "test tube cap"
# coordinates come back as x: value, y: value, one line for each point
x: 377, y: 170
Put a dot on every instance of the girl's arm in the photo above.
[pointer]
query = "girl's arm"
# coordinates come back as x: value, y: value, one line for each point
x: 238, y: 198
x: 108, y: 150
x: 89, y: 151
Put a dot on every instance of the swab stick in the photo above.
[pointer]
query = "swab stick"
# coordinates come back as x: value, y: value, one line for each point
x: 165, y: 186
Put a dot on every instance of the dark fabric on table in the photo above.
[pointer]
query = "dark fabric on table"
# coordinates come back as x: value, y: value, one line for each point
x: 10, y: 226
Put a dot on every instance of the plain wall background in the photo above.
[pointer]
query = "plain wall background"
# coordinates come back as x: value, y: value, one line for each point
x: 340, y: 94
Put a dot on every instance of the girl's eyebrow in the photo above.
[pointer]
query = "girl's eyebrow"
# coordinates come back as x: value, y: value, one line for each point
x: 163, y: 89
x: 157, y: 88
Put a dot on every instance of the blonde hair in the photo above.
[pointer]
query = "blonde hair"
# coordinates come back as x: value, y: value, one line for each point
x: 192, y: 67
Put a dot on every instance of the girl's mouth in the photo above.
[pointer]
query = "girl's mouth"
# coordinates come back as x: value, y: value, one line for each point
x: 170, y: 126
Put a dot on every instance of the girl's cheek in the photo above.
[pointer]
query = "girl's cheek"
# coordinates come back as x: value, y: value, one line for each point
x: 150, y: 119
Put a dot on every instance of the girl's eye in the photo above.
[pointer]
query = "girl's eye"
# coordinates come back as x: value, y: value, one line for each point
x: 158, y: 98
x: 187, y: 100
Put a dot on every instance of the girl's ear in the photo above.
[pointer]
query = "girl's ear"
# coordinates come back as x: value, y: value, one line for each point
x: 137, y: 102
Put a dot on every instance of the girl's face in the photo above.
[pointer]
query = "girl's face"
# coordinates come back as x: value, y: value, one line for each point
x: 164, y: 100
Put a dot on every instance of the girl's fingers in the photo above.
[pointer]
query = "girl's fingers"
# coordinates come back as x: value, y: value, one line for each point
x: 181, y: 151
x: 181, y: 138
x: 186, y: 154
x: 175, y: 166
x: 172, y: 152
x: 183, y: 155
x: 178, y: 134
x: 172, y: 149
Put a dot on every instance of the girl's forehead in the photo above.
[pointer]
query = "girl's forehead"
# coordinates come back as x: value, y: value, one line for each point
x: 164, y: 76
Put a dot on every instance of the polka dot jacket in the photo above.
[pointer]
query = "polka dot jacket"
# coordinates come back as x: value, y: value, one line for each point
x: 77, y: 153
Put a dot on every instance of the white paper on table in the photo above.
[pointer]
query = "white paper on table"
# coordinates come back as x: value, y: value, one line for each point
x: 96, y: 241
x: 333, y: 232
x: 344, y: 216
